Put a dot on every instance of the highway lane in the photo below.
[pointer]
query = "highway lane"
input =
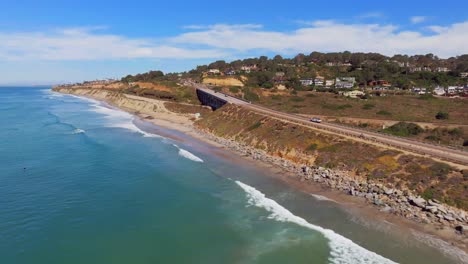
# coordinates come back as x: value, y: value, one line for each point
x: 441, y: 152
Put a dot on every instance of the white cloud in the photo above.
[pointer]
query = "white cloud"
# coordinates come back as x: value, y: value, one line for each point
x: 87, y: 44
x: 332, y: 36
x: 238, y: 40
x: 418, y: 19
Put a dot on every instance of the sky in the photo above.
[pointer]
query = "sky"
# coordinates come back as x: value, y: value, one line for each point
x: 50, y: 42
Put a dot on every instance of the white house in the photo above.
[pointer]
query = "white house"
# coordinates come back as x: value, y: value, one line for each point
x: 442, y: 69
x: 319, y: 80
x: 329, y: 83
x: 419, y: 90
x: 214, y: 71
x: 451, y: 90
x: 439, y: 91
x: 307, y: 82
x: 345, y: 82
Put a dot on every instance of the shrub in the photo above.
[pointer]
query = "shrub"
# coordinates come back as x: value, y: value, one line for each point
x: 276, y: 97
x: 254, y: 126
x: 404, y: 129
x: 442, y: 115
x: 312, y: 147
x: 311, y: 95
x: 432, y: 138
x: 428, y: 194
x: 426, y: 97
x: 297, y: 99
x: 234, y: 89
x: 383, y: 112
x: 251, y: 96
x: 456, y: 132
x: 368, y: 106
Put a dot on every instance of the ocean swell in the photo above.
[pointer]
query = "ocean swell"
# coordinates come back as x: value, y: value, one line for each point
x: 343, y: 250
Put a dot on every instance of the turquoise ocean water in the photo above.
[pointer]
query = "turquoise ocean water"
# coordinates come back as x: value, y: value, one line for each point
x: 82, y: 183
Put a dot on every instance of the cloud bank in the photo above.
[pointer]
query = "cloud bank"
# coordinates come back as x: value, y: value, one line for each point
x: 223, y: 40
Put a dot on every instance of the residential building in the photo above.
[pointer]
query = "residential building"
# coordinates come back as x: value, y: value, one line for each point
x: 419, y: 90
x: 249, y: 68
x: 214, y: 72
x: 230, y: 72
x: 319, y: 81
x: 452, y: 90
x: 329, y: 83
x: 345, y: 82
x: 442, y: 69
x: 464, y: 74
x: 307, y: 82
x: 440, y: 91
x: 383, y: 83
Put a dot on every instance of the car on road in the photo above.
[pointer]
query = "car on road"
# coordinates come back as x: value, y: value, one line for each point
x: 316, y: 120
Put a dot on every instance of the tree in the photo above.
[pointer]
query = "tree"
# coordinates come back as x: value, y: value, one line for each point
x: 442, y: 115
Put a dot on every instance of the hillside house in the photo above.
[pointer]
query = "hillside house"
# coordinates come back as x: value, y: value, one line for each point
x: 307, y: 81
x: 419, y: 91
x: 440, y: 91
x: 319, y: 81
x: 279, y: 77
x: 249, y: 68
x: 214, y: 72
x: 345, y: 82
x: 230, y: 72
x: 442, y: 69
x: 452, y: 90
x: 329, y: 83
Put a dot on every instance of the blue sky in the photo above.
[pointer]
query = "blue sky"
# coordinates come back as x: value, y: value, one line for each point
x: 45, y: 42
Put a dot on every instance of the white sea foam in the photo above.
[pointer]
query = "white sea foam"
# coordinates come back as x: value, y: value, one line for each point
x: 188, y: 155
x: 51, y: 94
x: 78, y: 131
x: 119, y: 119
x: 322, y: 198
x: 343, y: 250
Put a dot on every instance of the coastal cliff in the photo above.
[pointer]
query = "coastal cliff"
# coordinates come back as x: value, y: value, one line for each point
x: 413, y: 187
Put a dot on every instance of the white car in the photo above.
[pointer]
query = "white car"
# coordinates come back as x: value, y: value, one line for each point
x: 316, y: 120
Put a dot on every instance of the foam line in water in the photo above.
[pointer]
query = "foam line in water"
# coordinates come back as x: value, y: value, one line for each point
x: 322, y: 198
x: 343, y: 250
x: 78, y: 131
x: 119, y: 119
x: 188, y: 155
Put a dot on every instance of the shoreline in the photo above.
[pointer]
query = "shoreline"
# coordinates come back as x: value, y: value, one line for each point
x: 295, y: 176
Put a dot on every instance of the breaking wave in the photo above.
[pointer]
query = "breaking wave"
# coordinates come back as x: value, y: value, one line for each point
x: 188, y: 155
x: 117, y: 118
x: 343, y: 250
x: 78, y: 131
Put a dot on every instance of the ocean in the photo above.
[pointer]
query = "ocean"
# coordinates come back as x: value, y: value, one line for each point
x: 81, y: 182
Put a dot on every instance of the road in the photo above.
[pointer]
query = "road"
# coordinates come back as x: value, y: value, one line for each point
x: 436, y: 151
